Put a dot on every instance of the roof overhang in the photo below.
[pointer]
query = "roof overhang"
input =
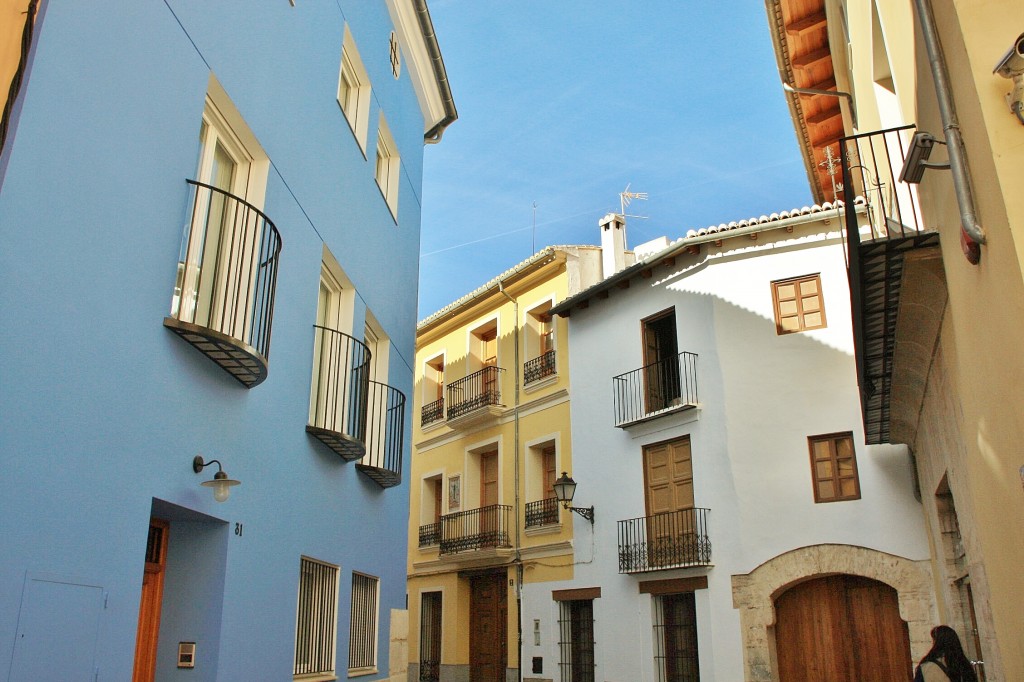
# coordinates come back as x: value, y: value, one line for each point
x: 415, y: 32
x: 800, y: 36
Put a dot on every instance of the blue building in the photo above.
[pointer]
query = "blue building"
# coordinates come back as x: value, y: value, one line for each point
x: 182, y: 183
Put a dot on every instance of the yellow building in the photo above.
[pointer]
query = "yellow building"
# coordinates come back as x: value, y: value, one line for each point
x: 874, y: 88
x: 490, y: 434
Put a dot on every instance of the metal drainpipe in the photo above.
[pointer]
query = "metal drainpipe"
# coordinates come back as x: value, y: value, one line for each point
x: 518, y: 561
x: 828, y: 93
x: 950, y: 126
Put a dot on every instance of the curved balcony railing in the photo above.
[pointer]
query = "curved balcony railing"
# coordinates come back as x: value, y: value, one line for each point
x: 432, y: 412
x: 472, y: 529
x: 660, y: 387
x: 385, y: 435
x: 666, y: 540
x: 538, y: 368
x: 430, y: 534
x: 470, y: 393
x: 542, y: 512
x: 340, y: 392
x: 223, y: 301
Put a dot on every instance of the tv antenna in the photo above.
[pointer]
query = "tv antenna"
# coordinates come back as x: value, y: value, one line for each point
x: 625, y: 197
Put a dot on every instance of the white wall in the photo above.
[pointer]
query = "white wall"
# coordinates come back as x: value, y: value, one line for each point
x: 761, y: 396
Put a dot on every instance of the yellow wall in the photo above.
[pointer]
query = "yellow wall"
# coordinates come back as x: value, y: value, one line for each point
x: 440, y: 449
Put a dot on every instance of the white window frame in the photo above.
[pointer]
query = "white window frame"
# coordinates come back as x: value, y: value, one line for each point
x: 371, y: 619
x: 388, y: 165
x: 340, y: 300
x: 328, y: 639
x: 354, y: 89
x: 221, y: 126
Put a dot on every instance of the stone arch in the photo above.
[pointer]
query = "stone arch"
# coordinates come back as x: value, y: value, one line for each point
x: 754, y: 594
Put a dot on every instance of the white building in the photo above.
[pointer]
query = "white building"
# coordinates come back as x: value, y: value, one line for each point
x: 742, y: 527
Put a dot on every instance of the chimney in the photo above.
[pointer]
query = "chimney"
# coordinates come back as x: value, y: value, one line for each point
x: 613, y: 244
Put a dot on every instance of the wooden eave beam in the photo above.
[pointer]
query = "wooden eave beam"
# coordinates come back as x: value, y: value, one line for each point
x: 647, y: 273
x: 824, y: 116
x: 809, y: 23
x: 811, y: 59
x: 624, y: 284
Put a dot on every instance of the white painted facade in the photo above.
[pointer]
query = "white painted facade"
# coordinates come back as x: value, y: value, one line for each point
x: 761, y: 395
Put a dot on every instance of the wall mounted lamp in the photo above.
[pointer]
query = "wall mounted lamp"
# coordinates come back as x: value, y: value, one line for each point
x: 1011, y: 66
x: 565, y: 489
x: 917, y: 157
x: 220, y: 483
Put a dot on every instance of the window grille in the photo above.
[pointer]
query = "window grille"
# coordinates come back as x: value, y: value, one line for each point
x: 362, y: 638
x: 316, y: 621
x: 576, y: 645
x: 430, y: 637
x: 675, y: 638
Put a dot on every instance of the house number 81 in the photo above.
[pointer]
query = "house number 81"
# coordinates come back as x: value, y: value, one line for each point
x: 238, y: 529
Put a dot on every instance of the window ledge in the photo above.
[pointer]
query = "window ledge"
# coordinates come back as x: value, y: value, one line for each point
x: 541, y: 383
x: 549, y: 529
x: 432, y: 426
x: 360, y: 672
x: 315, y: 677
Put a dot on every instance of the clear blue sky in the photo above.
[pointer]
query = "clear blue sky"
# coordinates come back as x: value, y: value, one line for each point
x: 564, y: 102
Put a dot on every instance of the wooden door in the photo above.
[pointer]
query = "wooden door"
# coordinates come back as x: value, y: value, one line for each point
x: 490, y: 515
x: 152, y: 598
x: 668, y: 477
x: 661, y: 367
x: 548, y: 487
x: 438, y: 489
x: 489, y: 360
x: 824, y: 626
x: 488, y: 628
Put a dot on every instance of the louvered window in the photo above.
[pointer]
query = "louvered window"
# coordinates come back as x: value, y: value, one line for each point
x: 317, y: 619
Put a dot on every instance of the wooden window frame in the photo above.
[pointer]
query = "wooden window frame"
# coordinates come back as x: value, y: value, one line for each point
x: 832, y: 439
x: 354, y: 90
x: 800, y: 314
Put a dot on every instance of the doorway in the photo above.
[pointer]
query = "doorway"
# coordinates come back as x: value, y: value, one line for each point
x: 824, y: 625
x: 488, y: 628
x: 148, y: 633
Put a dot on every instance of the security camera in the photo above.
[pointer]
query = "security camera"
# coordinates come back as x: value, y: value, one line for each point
x: 1012, y: 66
x: 1012, y: 63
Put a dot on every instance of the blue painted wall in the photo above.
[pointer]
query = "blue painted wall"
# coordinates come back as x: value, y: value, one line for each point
x: 102, y: 408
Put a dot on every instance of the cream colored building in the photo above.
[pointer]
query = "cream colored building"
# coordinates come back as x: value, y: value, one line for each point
x: 490, y: 434
x: 938, y: 294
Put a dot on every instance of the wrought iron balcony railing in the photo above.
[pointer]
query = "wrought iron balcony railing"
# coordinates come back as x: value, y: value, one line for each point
x: 432, y: 412
x: 223, y: 301
x: 481, y: 528
x: 542, y: 512
x: 385, y: 435
x: 871, y: 165
x: 340, y: 393
x: 430, y: 534
x: 538, y: 368
x: 657, y: 388
x: 478, y: 390
x: 667, y: 540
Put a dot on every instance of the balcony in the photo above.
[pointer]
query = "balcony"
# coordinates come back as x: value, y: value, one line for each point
x: 542, y: 513
x: 430, y: 535
x: 385, y: 435
x: 878, y: 260
x: 475, y: 397
x: 432, y: 412
x: 223, y: 303
x: 539, y: 368
x: 341, y: 386
x: 476, y: 529
x: 676, y: 539
x: 662, y: 387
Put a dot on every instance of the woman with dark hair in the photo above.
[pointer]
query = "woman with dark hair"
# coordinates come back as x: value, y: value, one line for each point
x: 945, y: 662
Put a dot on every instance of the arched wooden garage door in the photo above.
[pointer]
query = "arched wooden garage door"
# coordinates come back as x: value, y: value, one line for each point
x: 841, y: 628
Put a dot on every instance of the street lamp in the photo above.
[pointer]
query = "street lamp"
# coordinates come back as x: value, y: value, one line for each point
x: 565, y: 489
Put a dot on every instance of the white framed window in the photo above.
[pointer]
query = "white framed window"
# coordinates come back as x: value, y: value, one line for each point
x: 540, y: 343
x: 433, y: 390
x: 333, y: 353
x: 362, y: 637
x: 316, y: 620
x: 354, y: 89
x: 388, y: 165
x: 218, y: 250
